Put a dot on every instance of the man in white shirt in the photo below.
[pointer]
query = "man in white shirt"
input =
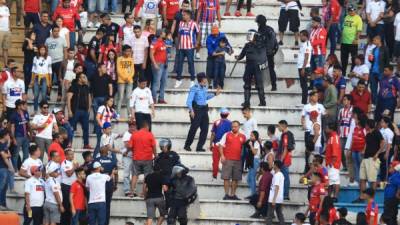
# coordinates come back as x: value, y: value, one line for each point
x: 140, y: 47
x: 68, y: 176
x: 13, y: 89
x: 304, y: 63
x: 142, y: 104
x: 44, y: 124
x: 275, y: 198
x: 125, y: 32
x: 375, y: 10
x: 5, y: 34
x: 96, y: 185
x: 34, y: 196
x: 385, y: 156
x: 127, y: 158
x: 53, y: 206
x: 250, y: 123
x: 307, y: 124
x: 32, y: 161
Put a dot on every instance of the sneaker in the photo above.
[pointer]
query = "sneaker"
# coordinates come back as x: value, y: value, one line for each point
x: 262, y: 104
x: 248, y: 197
x: 227, y: 14
x: 97, y: 24
x: 353, y: 184
x: 226, y: 197
x: 273, y: 88
x: 235, y: 198
x: 238, y: 14
x: 162, y: 101
x: 90, y: 24
x: 178, y: 83
x: 197, y: 55
x: 250, y: 14
x: 280, y: 43
x: 286, y: 198
x: 358, y: 200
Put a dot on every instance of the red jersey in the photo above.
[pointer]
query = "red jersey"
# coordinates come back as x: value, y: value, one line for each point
x: 317, y: 191
x: 69, y: 15
x: 79, y: 199
x: 233, y: 145
x: 361, y: 101
x: 324, y: 174
x: 358, y: 139
x: 160, y: 51
x: 333, y: 149
x: 56, y: 147
x: 372, y: 210
x: 172, y: 7
x: 335, y: 11
x: 104, y: 49
x: 143, y: 143
x: 287, y: 161
x: 208, y: 10
x: 31, y: 6
x: 318, y: 40
x: 81, y: 56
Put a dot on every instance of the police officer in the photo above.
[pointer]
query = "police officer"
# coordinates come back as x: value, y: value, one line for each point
x: 198, y: 109
x: 254, y: 51
x: 271, y: 45
x: 109, y: 165
x: 167, y: 159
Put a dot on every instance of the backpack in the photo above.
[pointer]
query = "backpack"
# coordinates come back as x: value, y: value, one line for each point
x: 291, y: 141
x: 270, y: 41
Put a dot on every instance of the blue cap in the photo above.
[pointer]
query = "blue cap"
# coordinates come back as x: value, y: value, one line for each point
x: 106, y: 125
x: 224, y: 111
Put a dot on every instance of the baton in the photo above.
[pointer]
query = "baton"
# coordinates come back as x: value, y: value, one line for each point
x: 234, y: 66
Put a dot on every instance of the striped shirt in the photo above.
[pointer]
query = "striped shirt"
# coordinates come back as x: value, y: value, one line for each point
x: 187, y: 34
x: 344, y: 119
x: 209, y: 9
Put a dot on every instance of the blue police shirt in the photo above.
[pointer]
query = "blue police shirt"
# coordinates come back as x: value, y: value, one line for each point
x: 392, y: 185
x: 199, y: 95
x: 220, y: 127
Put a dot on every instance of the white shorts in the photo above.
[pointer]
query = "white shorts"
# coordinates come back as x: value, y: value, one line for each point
x: 333, y: 176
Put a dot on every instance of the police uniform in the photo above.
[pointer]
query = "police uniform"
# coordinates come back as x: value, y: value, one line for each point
x: 109, y: 164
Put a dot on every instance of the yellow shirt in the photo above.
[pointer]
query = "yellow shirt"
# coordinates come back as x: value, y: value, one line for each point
x: 125, y: 70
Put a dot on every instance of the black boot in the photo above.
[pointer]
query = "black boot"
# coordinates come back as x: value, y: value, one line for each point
x: 261, y: 96
x: 247, y: 95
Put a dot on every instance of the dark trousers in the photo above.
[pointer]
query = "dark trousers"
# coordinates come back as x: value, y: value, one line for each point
x: 375, y: 31
x: 271, y: 68
x: 138, y: 73
x: 189, y: 54
x: 219, y: 74
x: 142, y: 117
x: 81, y: 116
x: 132, y: 4
x: 264, y: 208
x: 390, y: 210
x: 109, y: 194
x: 37, y: 216
x: 252, y: 69
x: 333, y: 35
x: 304, y: 85
x: 178, y: 210
x: 389, y: 37
x: 200, y: 120
x: 385, y: 103
x: 270, y: 213
x: 67, y: 215
x: 345, y: 51
x: 56, y: 67
x: 311, y: 217
x: 240, y: 4
x: 27, y: 75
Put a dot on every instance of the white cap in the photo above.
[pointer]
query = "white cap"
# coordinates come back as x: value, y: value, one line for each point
x: 96, y: 165
x: 52, y: 167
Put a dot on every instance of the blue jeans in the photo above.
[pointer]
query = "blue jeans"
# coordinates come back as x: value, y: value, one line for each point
x: 219, y: 73
x: 286, y: 186
x: 70, y: 131
x: 11, y: 179
x: 317, y: 61
x: 159, y: 81
x: 22, y: 144
x: 4, y: 174
x: 333, y: 35
x: 96, y: 212
x: 90, y: 66
x: 27, y: 75
x: 251, y: 176
x: 374, y: 81
x: 356, y: 156
x: 72, y: 39
x: 375, y: 31
x: 39, y: 88
x: 96, y: 103
x: 189, y: 54
x: 81, y: 116
x: 79, y: 215
x: 96, y: 5
x: 53, y: 6
x: 113, y: 6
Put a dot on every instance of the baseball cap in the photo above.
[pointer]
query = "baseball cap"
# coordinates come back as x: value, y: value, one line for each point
x: 53, y: 167
x: 224, y: 111
x: 351, y: 8
x: 106, y: 125
x: 215, y: 30
x: 96, y: 165
x: 57, y: 110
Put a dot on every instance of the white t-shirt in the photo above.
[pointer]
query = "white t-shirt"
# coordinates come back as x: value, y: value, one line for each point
x: 30, y: 162
x: 58, y: 165
x: 374, y: 8
x: 141, y: 99
x: 96, y: 182
x: 108, y: 139
x: 47, y: 132
x: 397, y: 26
x: 14, y: 89
x: 42, y: 65
x: 387, y: 134
x: 138, y: 46
x: 35, y: 188
x: 257, y: 146
x: 64, y: 32
x: 127, y: 31
x: 4, y: 18
x: 66, y: 166
x: 248, y: 126
x: 305, y: 48
x: 52, y: 186
x: 277, y: 180
x: 126, y: 137
x: 69, y: 71
x: 307, y: 109
x: 292, y: 5
x: 360, y: 70
x: 368, y: 51
x: 149, y: 9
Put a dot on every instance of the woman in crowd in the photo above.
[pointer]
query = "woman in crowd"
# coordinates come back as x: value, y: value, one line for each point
x: 30, y: 49
x: 111, y: 65
x: 253, y: 160
x: 64, y: 32
x: 41, y: 76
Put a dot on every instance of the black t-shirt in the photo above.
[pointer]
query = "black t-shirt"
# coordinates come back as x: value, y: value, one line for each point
x: 112, y: 29
x: 95, y: 45
x: 341, y: 222
x: 372, y: 143
x: 154, y: 182
x: 29, y: 54
x: 99, y: 85
x: 80, y: 99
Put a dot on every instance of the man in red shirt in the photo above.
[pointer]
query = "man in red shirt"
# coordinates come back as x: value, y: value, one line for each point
x: 333, y: 24
x: 55, y: 146
x: 333, y: 158
x: 77, y: 197
x: 317, y: 195
x: 32, y: 10
x: 230, y: 149
x: 260, y: 200
x: 158, y: 57
x: 285, y: 153
x: 144, y: 150
x: 71, y: 18
x: 361, y: 97
x: 169, y: 10
x: 372, y: 210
